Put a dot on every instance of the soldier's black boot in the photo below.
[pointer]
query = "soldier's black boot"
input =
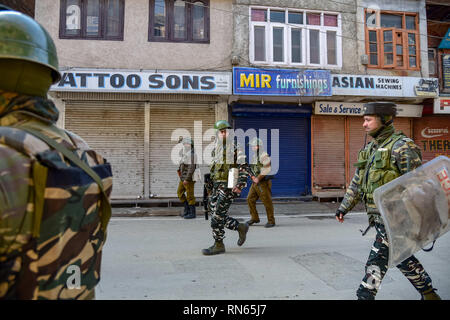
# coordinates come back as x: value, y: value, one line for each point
x: 430, y: 295
x: 242, y: 229
x: 185, y: 210
x: 191, y: 212
x: 217, y: 248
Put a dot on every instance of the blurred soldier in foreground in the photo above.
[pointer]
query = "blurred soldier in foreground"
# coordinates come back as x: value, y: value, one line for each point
x: 185, y: 171
x: 262, y: 185
x: 389, y: 155
x: 54, y: 190
x: 229, y: 174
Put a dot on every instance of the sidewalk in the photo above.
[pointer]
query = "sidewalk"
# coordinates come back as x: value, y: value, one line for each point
x: 239, y: 208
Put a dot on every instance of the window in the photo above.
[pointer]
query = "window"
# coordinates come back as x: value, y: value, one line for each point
x: 392, y: 40
x: 91, y: 19
x: 179, y: 21
x: 295, y: 37
x: 432, y: 62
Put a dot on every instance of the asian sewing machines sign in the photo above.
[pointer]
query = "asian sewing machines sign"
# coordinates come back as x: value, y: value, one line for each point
x: 281, y: 82
x: 96, y: 80
x: 387, y: 86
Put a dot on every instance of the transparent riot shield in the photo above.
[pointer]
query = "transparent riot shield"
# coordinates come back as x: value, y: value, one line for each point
x: 415, y: 208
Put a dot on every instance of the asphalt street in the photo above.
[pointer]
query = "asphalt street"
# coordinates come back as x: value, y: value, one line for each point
x: 305, y: 257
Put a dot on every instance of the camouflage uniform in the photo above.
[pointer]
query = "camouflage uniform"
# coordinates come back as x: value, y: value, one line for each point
x: 388, y: 156
x: 186, y: 170
x: 52, y: 216
x: 221, y: 196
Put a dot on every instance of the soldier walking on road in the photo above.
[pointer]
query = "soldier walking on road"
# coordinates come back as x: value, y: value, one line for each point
x: 226, y: 156
x: 185, y: 171
x: 54, y: 190
x: 389, y: 155
x: 262, y: 185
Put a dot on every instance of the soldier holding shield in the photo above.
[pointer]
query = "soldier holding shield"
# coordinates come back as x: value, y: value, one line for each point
x: 389, y: 155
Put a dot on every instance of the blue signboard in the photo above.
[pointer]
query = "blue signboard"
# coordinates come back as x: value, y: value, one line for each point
x: 445, y: 43
x: 281, y: 82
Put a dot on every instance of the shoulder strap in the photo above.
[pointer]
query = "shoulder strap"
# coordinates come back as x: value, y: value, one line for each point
x: 105, y: 206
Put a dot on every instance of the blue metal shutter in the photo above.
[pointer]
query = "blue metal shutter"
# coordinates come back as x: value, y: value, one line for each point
x: 293, y: 178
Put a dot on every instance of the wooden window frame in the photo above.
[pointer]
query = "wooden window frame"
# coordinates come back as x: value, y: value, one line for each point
x: 169, y: 37
x: 102, y: 22
x: 404, y: 41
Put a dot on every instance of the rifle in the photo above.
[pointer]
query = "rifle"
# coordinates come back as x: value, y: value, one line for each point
x: 207, y: 182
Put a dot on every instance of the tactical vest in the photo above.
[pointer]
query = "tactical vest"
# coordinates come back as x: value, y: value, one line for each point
x: 67, y: 214
x: 220, y: 164
x: 376, y: 169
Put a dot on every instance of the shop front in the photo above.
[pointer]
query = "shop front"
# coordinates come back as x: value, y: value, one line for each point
x: 336, y: 125
x: 276, y: 104
x: 135, y: 118
x: 431, y: 132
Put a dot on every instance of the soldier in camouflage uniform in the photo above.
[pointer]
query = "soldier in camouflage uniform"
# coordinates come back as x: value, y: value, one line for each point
x: 262, y: 185
x: 185, y: 171
x: 225, y: 156
x: 54, y: 190
x: 389, y: 155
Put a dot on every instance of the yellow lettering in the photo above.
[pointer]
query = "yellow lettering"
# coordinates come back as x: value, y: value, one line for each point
x: 247, y: 81
x: 265, y: 81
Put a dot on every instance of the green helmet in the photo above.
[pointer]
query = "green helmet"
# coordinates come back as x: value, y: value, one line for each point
x: 222, y: 124
x: 380, y: 109
x: 255, y: 142
x: 25, y: 44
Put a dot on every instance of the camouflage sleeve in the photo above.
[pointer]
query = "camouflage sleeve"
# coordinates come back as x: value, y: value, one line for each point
x: 406, y: 155
x: 352, y: 195
x: 15, y: 220
x: 244, y: 168
x: 14, y: 177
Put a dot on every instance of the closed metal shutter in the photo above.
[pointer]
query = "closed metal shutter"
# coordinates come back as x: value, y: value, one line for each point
x: 116, y: 131
x: 328, y: 152
x: 356, y: 136
x: 164, y: 120
x: 293, y: 178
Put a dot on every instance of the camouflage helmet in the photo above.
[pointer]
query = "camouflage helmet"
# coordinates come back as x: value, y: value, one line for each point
x: 222, y: 124
x: 255, y: 142
x: 380, y: 109
x: 24, y: 39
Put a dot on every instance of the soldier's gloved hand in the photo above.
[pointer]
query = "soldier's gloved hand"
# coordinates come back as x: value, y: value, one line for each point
x: 340, y: 215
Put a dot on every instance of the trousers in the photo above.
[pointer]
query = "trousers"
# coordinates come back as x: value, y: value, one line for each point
x: 263, y: 191
x: 219, y: 203
x: 377, y: 266
x: 186, y: 193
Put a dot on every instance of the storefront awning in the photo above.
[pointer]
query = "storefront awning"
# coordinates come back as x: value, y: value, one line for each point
x: 445, y: 43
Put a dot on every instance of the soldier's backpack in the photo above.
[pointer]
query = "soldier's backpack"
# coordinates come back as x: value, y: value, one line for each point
x: 65, y: 222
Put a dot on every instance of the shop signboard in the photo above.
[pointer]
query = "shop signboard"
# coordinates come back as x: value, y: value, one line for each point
x: 442, y: 105
x: 384, y: 86
x: 281, y: 82
x: 446, y: 71
x: 356, y: 109
x: 96, y: 80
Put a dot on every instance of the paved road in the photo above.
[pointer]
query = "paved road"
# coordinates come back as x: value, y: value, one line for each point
x: 303, y: 257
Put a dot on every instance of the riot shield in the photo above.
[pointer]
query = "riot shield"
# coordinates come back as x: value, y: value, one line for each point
x: 415, y: 208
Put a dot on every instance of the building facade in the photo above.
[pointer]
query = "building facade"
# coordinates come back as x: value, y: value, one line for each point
x: 324, y: 60
x: 138, y: 74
